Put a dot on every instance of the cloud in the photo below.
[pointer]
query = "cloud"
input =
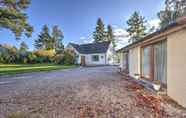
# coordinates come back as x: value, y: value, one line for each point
x: 87, y: 39
x: 120, y: 34
x: 121, y: 37
x: 155, y: 23
x: 82, y: 38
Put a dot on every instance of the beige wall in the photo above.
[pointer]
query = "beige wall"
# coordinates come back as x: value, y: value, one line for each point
x: 176, y: 70
x: 176, y: 65
x: 134, y: 61
x: 123, y: 59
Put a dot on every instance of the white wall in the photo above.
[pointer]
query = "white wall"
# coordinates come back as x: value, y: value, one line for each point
x: 134, y: 61
x: 108, y: 57
x: 89, y: 61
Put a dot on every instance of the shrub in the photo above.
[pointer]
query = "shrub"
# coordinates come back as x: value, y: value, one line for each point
x: 45, y: 53
x: 69, y: 57
x: 45, y: 56
x: 31, y: 58
x: 66, y: 57
x: 2, y: 58
x: 59, y: 59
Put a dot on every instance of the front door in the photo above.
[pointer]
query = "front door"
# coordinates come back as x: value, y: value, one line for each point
x: 83, y: 61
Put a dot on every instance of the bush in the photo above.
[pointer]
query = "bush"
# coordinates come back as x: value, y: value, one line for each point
x: 69, y: 58
x: 44, y: 56
x: 32, y: 58
x: 10, y: 54
x: 66, y: 57
x: 59, y: 59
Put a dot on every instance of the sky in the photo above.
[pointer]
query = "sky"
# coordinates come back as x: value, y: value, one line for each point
x: 77, y: 18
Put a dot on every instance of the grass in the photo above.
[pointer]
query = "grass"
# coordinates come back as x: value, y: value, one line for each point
x: 12, y: 69
x: 17, y: 115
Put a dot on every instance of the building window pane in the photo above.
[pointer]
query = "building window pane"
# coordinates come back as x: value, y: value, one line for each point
x: 125, y: 61
x: 95, y: 58
x: 146, y: 68
x: 160, y: 62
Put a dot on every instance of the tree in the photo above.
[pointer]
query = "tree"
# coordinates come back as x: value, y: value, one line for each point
x: 173, y: 10
x: 47, y: 40
x: 23, y: 47
x: 13, y: 17
x: 136, y: 27
x: 110, y: 35
x: 9, y: 54
x: 57, y: 37
x: 44, y: 39
x: 99, y: 35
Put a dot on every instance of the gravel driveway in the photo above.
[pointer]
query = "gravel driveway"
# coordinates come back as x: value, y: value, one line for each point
x: 96, y: 92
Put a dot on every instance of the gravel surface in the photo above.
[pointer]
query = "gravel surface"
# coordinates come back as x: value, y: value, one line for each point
x: 96, y: 92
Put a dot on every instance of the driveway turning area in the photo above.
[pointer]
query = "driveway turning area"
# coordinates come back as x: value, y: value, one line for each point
x: 95, y: 92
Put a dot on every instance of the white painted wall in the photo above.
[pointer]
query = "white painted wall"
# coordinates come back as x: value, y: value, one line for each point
x: 89, y: 61
x: 104, y: 58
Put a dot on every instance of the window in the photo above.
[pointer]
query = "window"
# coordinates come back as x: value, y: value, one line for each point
x: 125, y: 61
x: 77, y: 56
x: 160, y: 62
x: 95, y: 58
x: 146, y: 62
x: 154, y: 62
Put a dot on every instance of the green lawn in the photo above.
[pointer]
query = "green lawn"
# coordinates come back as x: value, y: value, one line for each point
x: 11, y: 69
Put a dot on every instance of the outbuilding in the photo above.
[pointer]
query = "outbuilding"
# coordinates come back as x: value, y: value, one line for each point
x: 160, y: 56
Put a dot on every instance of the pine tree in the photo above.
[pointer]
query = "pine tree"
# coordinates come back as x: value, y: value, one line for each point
x: 57, y: 36
x: 23, y: 47
x: 43, y: 41
x: 13, y: 17
x: 99, y: 35
x: 47, y: 40
x: 110, y: 35
x: 136, y: 27
x: 173, y: 10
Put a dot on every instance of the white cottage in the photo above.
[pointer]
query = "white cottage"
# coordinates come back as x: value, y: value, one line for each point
x: 93, y: 54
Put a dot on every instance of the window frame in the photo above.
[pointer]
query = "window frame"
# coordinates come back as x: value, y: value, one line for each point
x: 95, y: 58
x: 151, y: 62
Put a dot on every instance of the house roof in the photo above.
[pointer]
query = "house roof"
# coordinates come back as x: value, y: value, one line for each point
x: 174, y: 24
x: 91, y: 48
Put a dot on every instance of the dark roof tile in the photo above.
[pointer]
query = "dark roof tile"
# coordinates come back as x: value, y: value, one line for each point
x: 91, y: 48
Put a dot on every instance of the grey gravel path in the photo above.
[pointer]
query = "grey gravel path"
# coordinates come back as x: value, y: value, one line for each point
x: 95, y: 92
